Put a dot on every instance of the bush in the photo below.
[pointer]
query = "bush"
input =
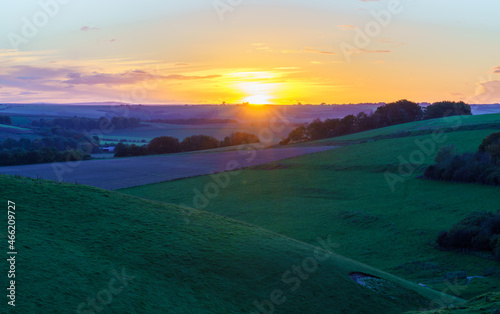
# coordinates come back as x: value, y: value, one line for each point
x: 199, y: 142
x: 446, y: 108
x: 239, y: 138
x: 479, y: 231
x: 164, y: 145
x: 481, y: 167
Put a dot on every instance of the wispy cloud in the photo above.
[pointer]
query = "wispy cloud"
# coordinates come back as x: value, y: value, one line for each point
x: 496, y: 69
x: 393, y: 42
x: 346, y: 27
x: 309, y: 50
x: 126, y: 78
x: 361, y: 51
x: 319, y: 51
x: 88, y: 28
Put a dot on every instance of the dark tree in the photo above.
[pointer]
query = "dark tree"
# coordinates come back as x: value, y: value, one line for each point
x: 398, y: 112
x: 447, y: 108
x: 164, y: 145
x: 199, y: 142
x: 298, y: 135
x: 316, y: 130
x: 5, y: 120
x: 491, y: 145
x: 239, y: 138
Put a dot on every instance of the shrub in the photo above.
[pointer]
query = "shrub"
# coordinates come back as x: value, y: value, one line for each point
x: 479, y: 231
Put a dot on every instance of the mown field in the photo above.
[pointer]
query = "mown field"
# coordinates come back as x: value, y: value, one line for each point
x: 344, y: 192
x: 83, y: 249
x: 118, y: 173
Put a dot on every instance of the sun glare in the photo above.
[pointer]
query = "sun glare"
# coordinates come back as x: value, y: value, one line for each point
x: 257, y: 100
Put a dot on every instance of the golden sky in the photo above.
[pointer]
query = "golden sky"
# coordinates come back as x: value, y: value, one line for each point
x: 257, y: 51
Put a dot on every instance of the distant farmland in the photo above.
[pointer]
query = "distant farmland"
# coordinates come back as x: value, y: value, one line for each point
x: 118, y: 173
x: 219, y: 131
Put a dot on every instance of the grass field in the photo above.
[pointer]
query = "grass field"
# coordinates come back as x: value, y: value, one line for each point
x: 130, y: 255
x: 344, y: 192
x: 14, y: 132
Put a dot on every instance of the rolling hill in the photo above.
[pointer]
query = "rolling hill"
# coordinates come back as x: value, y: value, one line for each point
x: 386, y: 223
x: 85, y: 249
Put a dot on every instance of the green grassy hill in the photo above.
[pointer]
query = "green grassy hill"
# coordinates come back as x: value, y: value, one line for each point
x: 453, y: 123
x: 486, y: 303
x: 344, y: 192
x: 78, y: 245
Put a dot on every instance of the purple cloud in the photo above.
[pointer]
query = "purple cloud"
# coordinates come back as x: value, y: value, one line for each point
x: 126, y: 78
x: 88, y: 28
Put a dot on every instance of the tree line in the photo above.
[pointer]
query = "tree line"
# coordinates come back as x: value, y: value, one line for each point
x: 87, y: 124
x: 194, y: 121
x: 5, y: 120
x: 479, y: 231
x: 482, y: 166
x: 44, y: 150
x: 169, y: 145
x: 402, y: 111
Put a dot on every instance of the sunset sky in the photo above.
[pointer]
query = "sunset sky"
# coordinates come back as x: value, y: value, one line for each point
x: 259, y: 51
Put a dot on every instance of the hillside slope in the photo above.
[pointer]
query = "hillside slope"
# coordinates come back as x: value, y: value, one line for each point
x: 345, y: 192
x: 81, y: 248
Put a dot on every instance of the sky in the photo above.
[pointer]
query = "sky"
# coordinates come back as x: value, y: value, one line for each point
x: 256, y: 51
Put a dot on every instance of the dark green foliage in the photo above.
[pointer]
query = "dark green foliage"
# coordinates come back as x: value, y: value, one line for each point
x: 479, y: 231
x: 491, y: 145
x: 5, y: 120
x: 194, y: 121
x: 446, y: 108
x: 239, y: 138
x: 123, y: 150
x: 199, y: 142
x: 169, y: 145
x: 481, y: 167
x: 164, y: 145
x: 399, y: 112
x: 46, y: 150
x: 297, y: 135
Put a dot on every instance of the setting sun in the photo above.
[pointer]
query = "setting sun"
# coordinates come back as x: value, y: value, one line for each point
x: 257, y: 100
